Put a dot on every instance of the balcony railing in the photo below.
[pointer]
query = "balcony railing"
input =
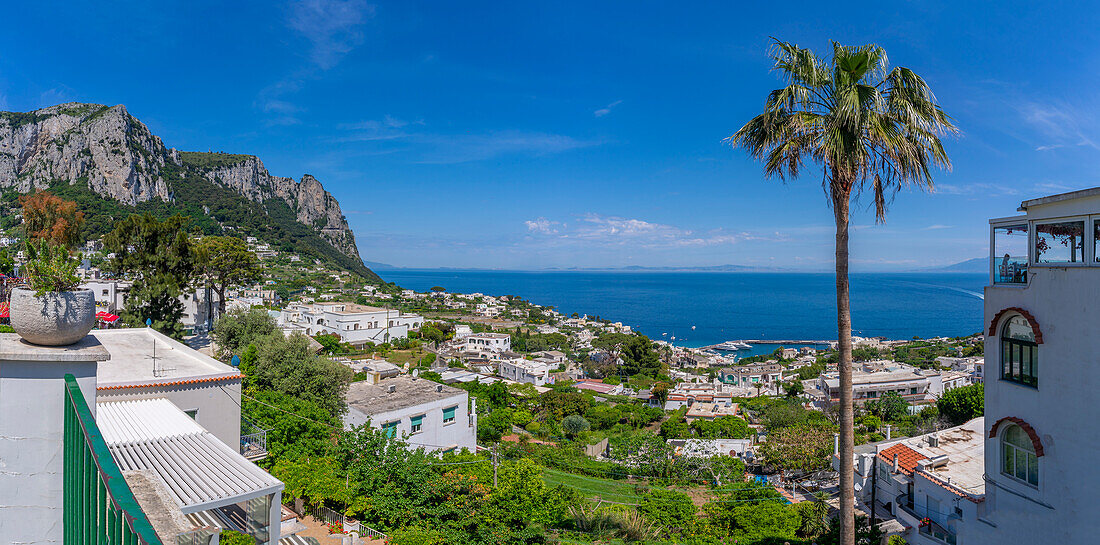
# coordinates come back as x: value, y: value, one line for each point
x: 253, y: 441
x: 98, y: 504
x: 927, y: 524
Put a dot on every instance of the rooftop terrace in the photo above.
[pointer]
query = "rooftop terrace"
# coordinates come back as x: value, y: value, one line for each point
x: 407, y: 392
x: 132, y: 361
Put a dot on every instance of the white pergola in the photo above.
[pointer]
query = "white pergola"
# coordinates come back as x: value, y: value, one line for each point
x: 199, y: 471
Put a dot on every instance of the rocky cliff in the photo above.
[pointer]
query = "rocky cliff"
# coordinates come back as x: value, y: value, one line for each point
x: 313, y: 206
x: 112, y: 154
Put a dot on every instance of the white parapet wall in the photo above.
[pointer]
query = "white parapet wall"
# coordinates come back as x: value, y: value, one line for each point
x: 32, y: 420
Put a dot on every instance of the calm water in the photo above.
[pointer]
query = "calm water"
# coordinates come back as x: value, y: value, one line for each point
x: 725, y: 306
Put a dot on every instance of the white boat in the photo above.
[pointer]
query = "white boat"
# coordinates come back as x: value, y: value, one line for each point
x: 732, y: 346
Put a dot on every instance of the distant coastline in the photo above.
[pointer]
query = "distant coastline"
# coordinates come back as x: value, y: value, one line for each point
x: 975, y: 265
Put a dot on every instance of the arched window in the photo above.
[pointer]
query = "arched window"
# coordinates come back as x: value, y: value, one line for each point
x: 1019, y: 352
x: 1018, y: 459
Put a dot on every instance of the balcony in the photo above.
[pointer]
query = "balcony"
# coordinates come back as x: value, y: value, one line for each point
x: 926, y: 521
x: 98, y: 504
x: 253, y: 441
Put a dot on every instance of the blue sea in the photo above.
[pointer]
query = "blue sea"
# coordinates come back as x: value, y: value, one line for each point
x: 732, y: 306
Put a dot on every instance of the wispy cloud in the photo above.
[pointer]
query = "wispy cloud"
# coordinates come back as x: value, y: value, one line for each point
x: 1057, y: 187
x: 1060, y: 124
x: 439, y: 148
x: 57, y: 95
x: 599, y: 230
x: 977, y: 188
x: 447, y: 149
x: 606, y: 109
x: 333, y: 27
x: 387, y: 128
x: 936, y: 227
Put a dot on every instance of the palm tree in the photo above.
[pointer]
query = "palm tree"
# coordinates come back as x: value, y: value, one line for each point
x: 870, y: 128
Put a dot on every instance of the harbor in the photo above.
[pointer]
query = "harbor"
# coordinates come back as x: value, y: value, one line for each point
x: 744, y: 344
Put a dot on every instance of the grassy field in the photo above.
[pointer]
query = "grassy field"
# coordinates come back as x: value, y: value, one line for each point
x: 589, y: 487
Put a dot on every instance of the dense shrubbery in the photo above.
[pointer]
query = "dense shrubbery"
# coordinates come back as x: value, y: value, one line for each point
x: 959, y: 405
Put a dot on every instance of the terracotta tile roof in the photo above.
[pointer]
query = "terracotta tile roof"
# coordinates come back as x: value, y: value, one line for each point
x: 172, y: 382
x: 935, y: 479
x: 907, y: 457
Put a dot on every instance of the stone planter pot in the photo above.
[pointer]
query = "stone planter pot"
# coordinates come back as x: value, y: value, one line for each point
x: 54, y: 319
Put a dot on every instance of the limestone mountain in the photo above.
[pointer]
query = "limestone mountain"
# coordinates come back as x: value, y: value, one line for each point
x: 112, y: 165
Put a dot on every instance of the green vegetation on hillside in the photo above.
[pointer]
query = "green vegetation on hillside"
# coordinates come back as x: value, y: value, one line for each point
x: 213, y: 209
x: 205, y: 160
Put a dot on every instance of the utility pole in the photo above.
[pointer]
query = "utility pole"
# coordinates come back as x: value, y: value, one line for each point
x: 874, y: 487
x: 495, y: 463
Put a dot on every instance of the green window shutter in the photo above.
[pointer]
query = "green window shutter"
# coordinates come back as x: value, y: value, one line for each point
x: 390, y: 429
x: 417, y: 420
x: 449, y: 413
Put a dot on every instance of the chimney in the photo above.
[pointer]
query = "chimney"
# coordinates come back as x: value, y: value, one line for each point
x: 391, y: 389
x: 439, y: 387
x: 836, y: 443
x: 889, y: 429
x: 895, y: 462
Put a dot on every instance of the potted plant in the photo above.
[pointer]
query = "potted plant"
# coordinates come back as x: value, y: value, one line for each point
x: 50, y: 310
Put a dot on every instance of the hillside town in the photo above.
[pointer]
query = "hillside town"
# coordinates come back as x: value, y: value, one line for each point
x: 468, y: 379
x: 194, y: 352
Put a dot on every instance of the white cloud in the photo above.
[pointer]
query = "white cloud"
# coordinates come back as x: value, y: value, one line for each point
x: 936, y: 227
x: 333, y: 27
x: 542, y: 226
x: 606, y: 109
x: 598, y: 230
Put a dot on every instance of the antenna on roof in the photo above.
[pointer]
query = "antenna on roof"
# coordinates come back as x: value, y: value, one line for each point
x: 149, y: 324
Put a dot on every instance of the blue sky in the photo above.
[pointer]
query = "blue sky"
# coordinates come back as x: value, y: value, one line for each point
x: 530, y: 135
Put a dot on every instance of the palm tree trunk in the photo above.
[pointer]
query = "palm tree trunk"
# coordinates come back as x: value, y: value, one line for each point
x: 844, y: 346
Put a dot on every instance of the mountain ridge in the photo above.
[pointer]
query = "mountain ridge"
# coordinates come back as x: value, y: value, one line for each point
x: 82, y: 151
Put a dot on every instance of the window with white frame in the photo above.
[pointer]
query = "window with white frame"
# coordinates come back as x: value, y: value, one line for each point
x: 1018, y: 459
x: 1060, y: 242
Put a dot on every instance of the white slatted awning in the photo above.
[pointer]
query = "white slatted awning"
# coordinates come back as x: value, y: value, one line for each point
x: 199, y: 470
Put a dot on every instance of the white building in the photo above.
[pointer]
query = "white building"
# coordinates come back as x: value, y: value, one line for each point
x: 425, y: 413
x: 171, y: 422
x: 110, y: 295
x: 931, y: 484
x: 1042, y: 339
x: 524, y: 370
x: 354, y: 324
x: 766, y: 374
x: 488, y: 342
x: 877, y: 378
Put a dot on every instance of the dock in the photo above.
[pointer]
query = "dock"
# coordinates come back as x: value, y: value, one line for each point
x: 772, y: 341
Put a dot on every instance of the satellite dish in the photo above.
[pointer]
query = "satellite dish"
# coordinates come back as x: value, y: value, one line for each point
x: 235, y: 361
x: 416, y: 372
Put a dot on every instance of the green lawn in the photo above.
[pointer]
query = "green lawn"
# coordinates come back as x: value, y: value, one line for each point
x: 589, y: 487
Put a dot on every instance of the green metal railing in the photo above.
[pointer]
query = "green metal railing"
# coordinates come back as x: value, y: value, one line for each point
x: 99, y: 508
